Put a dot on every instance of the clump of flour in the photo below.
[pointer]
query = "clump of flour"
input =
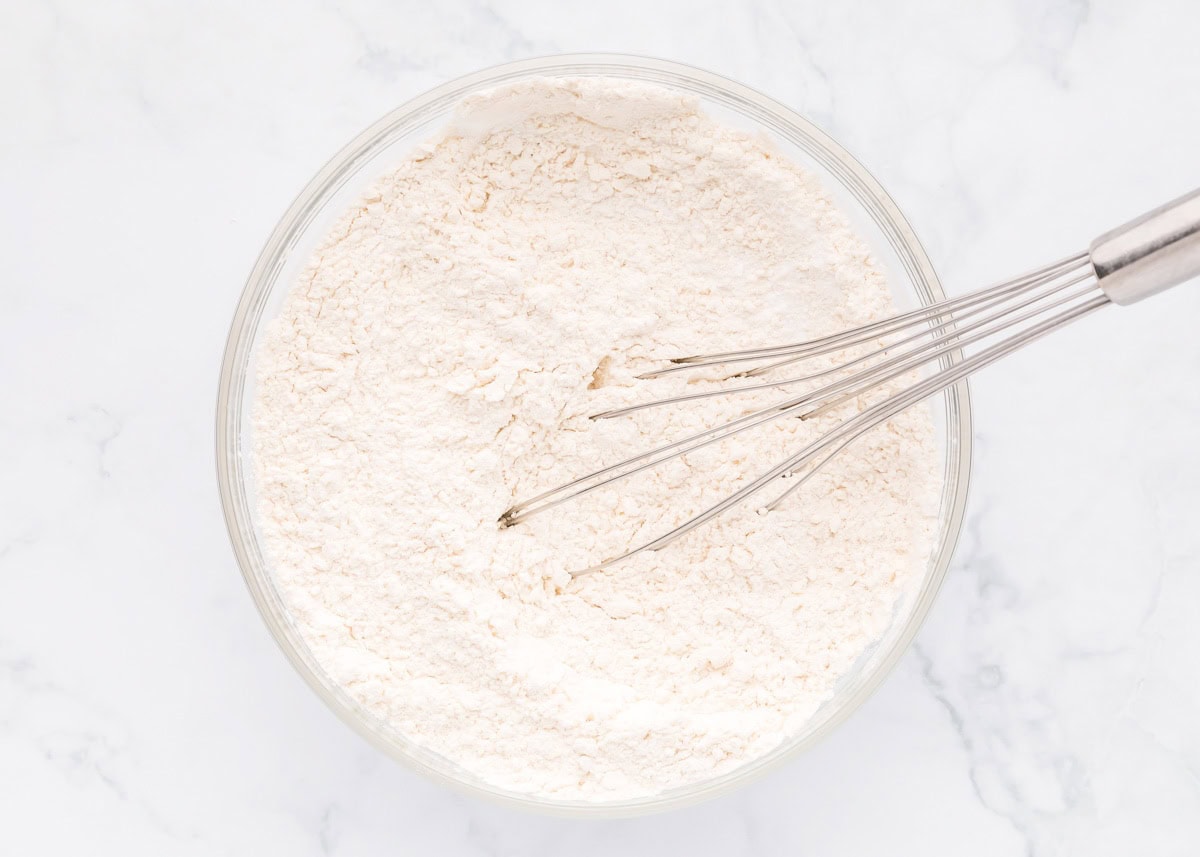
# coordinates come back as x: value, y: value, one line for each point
x: 439, y: 358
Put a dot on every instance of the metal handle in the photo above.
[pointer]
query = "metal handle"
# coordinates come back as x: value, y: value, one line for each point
x: 1148, y: 255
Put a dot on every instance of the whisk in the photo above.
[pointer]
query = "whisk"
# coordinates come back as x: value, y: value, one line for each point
x: 1144, y: 257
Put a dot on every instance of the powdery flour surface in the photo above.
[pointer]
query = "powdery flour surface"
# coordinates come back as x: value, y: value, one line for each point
x: 439, y: 359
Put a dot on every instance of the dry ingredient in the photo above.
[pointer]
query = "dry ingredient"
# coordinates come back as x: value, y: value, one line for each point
x: 440, y: 357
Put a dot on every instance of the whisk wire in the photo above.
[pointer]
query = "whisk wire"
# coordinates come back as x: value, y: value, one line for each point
x: 935, y: 345
x: 892, y: 324
x: 993, y: 300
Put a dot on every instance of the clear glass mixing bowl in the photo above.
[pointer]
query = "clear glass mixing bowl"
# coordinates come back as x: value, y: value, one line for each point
x: 341, y: 182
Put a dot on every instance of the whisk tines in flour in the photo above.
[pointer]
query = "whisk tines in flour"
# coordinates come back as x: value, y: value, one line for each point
x: 1146, y: 256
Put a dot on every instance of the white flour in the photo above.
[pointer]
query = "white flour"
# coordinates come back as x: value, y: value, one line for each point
x: 439, y: 359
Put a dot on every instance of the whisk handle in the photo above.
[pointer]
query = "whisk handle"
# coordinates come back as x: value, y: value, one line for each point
x: 1148, y: 255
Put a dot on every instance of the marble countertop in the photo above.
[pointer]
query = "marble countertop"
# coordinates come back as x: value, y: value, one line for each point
x: 1051, y: 704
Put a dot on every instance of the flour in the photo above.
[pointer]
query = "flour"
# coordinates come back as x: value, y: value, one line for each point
x: 439, y: 359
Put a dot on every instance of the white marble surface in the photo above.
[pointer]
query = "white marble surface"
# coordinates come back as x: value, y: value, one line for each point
x: 1051, y: 704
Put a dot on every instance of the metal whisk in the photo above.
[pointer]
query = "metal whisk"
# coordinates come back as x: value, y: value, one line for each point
x: 1142, y: 258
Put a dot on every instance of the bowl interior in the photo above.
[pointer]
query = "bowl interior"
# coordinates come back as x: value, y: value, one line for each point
x: 343, y: 180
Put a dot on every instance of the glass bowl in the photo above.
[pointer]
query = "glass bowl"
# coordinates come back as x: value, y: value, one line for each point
x: 340, y: 183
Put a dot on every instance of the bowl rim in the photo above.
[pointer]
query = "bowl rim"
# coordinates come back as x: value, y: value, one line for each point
x: 414, y: 113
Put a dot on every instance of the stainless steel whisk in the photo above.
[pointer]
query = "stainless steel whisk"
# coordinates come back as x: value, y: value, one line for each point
x: 1144, y: 257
